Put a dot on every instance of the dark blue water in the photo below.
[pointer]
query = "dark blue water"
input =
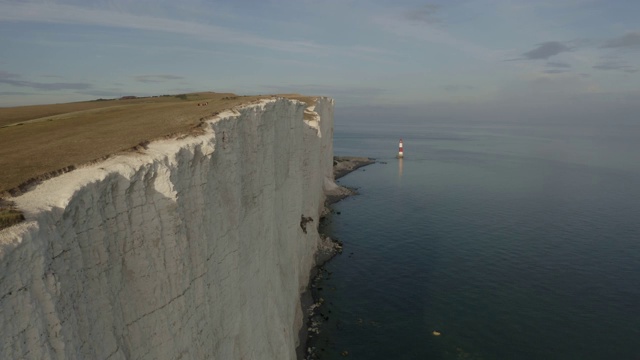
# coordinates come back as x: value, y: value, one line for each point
x: 513, y: 241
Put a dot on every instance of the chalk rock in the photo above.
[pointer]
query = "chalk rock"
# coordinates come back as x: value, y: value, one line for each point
x: 191, y: 250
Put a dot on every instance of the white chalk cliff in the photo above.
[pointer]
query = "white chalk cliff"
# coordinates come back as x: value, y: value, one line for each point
x: 191, y: 249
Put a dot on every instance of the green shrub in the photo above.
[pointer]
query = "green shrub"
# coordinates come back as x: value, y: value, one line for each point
x: 10, y: 217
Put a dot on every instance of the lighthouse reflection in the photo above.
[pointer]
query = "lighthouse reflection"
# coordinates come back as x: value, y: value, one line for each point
x: 400, y: 168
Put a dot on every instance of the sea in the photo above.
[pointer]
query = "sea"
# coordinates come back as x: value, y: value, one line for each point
x: 491, y: 240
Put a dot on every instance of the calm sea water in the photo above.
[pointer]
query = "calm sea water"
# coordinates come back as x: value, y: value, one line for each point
x: 513, y: 241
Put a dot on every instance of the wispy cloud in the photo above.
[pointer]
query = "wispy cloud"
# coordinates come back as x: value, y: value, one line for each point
x: 457, y: 87
x: 557, y: 64
x: 319, y: 89
x: 348, y: 94
x: 6, y: 93
x: 556, y: 67
x: 546, y: 50
x: 425, y: 14
x: 547, y: 86
x: 107, y: 93
x: 15, y: 80
x: 68, y: 14
x: 394, y: 21
x: 156, y: 78
x: 627, y: 40
x: 613, y: 65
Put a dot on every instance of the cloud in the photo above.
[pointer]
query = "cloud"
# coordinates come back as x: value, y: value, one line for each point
x: 156, y: 78
x: 457, y: 87
x: 546, y: 50
x: 397, y: 24
x: 70, y: 14
x: 612, y: 65
x: 14, y: 93
x: 631, y: 39
x: 556, y: 64
x: 556, y: 67
x: 547, y: 87
x: 347, y: 94
x: 425, y: 14
x: 331, y: 90
x: 108, y: 93
x: 14, y: 79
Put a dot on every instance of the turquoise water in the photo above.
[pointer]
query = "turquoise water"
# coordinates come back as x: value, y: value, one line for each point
x: 512, y: 241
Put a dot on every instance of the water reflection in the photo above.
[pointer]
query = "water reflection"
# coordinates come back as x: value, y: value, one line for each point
x: 400, y: 168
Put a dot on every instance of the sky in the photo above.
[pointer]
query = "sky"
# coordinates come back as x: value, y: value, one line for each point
x: 470, y: 58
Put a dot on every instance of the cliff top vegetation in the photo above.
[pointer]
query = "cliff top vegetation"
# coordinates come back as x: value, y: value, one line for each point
x: 42, y: 141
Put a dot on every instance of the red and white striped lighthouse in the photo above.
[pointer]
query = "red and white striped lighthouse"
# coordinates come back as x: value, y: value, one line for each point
x: 400, y: 150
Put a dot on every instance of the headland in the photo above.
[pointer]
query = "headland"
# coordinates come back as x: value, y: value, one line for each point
x: 195, y: 241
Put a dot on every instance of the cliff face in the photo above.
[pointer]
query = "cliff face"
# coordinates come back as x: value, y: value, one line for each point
x: 191, y: 249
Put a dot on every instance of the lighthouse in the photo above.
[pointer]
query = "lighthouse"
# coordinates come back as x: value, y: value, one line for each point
x: 400, y: 150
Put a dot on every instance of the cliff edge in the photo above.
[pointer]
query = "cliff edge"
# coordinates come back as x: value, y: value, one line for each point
x: 196, y: 247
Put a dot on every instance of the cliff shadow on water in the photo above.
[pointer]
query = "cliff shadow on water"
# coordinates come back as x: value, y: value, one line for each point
x: 328, y: 249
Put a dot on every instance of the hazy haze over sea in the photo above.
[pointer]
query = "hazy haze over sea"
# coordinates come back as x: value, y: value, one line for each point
x: 515, y: 238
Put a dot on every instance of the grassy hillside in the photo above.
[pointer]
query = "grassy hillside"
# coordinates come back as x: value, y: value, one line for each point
x: 41, y: 141
x: 45, y: 139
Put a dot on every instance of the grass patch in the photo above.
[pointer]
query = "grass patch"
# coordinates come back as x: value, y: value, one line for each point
x: 58, y: 136
x: 9, y: 215
x: 78, y: 133
x: 9, y: 218
x: 42, y: 141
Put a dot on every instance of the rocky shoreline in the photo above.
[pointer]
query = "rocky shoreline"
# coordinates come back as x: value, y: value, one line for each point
x: 342, y: 165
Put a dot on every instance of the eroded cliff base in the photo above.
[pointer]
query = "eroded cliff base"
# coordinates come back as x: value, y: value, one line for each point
x: 328, y: 248
x: 342, y: 165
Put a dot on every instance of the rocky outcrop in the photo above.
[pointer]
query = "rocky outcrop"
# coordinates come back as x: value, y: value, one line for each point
x: 342, y: 165
x: 192, y: 249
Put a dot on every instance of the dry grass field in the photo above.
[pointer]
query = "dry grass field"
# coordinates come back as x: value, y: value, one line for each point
x: 45, y: 139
